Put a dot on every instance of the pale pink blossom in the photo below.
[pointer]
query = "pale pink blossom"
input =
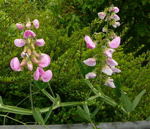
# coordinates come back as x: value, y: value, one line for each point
x: 30, y: 66
x: 29, y: 34
x: 111, y: 62
x: 20, y: 26
x: 110, y: 82
x: 90, y: 75
x: 19, y: 42
x: 116, y: 24
x: 89, y: 43
x: 44, y: 60
x: 115, y: 70
x: 108, y: 52
x: 102, y: 15
x: 40, y: 42
x: 15, y: 64
x: 28, y: 25
x: 114, y: 9
x: 36, y: 23
x: 90, y: 62
x: 107, y: 70
x: 115, y: 17
x: 115, y: 42
x: 45, y: 76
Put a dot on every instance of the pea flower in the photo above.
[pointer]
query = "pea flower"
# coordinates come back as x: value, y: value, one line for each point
x: 90, y: 62
x: 44, y: 60
x: 89, y: 43
x: 45, y: 76
x: 115, y: 17
x: 111, y: 62
x: 20, y: 26
x: 36, y: 23
x: 19, y: 42
x: 29, y: 34
x: 114, y: 9
x: 116, y: 24
x: 28, y: 25
x: 108, y: 52
x: 102, y: 15
x: 115, y: 42
x: 15, y: 64
x: 115, y: 70
x: 110, y: 82
x: 107, y: 70
x: 90, y: 75
x: 40, y: 42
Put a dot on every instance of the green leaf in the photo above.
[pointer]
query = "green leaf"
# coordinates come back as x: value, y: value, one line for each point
x: 126, y: 102
x: 37, y: 116
x: 83, y: 114
x: 138, y: 98
x: 1, y: 101
x: 48, y: 114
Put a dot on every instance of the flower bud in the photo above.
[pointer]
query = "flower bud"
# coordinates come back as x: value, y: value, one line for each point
x: 19, y: 42
x: 107, y: 70
x: 115, y: 42
x: 114, y: 9
x: 89, y: 43
x: 23, y: 62
x: 40, y: 42
x: 102, y: 15
x: 15, y: 64
x: 111, y: 62
x: 116, y: 24
x: 90, y: 75
x: 90, y: 62
x: 20, y: 26
x: 28, y: 25
x: 29, y: 34
x: 36, y: 23
x: 30, y: 65
x: 110, y: 82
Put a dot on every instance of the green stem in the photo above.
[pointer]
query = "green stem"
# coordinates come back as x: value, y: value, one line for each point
x: 48, y: 95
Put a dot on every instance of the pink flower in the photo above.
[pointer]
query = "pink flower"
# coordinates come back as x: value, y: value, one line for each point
x: 15, y: 64
x: 40, y: 42
x: 116, y: 24
x: 90, y: 62
x: 19, y: 42
x: 115, y: 70
x: 89, y: 43
x: 115, y: 17
x: 28, y: 25
x: 44, y: 60
x: 107, y: 70
x: 30, y: 66
x: 102, y: 15
x: 110, y: 82
x: 36, y: 23
x: 111, y: 62
x: 108, y: 52
x: 90, y: 75
x: 45, y: 76
x: 20, y: 26
x: 114, y: 9
x: 29, y: 34
x: 115, y: 42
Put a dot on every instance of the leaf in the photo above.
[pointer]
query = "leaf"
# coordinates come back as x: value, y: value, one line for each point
x: 1, y: 101
x: 83, y: 114
x: 138, y: 98
x: 95, y: 112
x: 37, y: 116
x: 126, y: 102
x: 48, y: 114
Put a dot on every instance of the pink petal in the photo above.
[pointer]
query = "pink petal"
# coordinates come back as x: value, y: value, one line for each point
x: 90, y: 62
x: 115, y: 17
x: 36, y: 23
x: 114, y: 9
x: 115, y: 42
x: 110, y: 82
x: 29, y: 34
x: 36, y: 74
x: 89, y: 43
x: 108, y: 52
x: 107, y: 70
x: 116, y: 24
x: 30, y: 66
x: 44, y: 60
x: 111, y: 62
x: 19, y: 42
x: 40, y: 42
x: 115, y: 70
x: 20, y: 26
x: 15, y: 64
x: 102, y: 15
x: 90, y: 75
x: 46, y: 76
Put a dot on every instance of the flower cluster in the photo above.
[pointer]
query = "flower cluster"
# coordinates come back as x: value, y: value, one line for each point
x: 110, y: 64
x: 30, y: 56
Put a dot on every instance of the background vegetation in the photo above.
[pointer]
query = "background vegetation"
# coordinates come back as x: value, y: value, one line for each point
x: 63, y: 26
